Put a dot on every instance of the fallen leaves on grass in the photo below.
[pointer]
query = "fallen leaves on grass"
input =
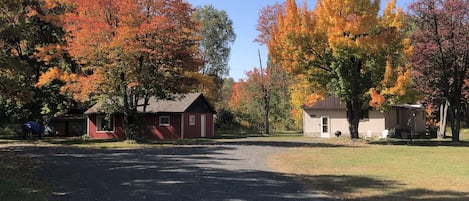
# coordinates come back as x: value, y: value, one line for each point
x: 19, y: 179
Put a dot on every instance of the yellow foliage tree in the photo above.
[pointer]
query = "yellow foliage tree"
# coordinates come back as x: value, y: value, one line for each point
x: 345, y: 47
x: 302, y: 95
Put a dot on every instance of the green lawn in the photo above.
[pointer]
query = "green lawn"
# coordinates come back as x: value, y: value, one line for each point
x: 18, y: 179
x: 391, y: 170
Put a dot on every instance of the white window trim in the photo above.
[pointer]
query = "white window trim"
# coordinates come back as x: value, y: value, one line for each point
x: 182, y: 126
x: 164, y: 124
x: 98, y: 123
x: 191, y: 120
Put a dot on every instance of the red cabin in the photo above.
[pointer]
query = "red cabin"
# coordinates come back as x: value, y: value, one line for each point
x: 188, y: 117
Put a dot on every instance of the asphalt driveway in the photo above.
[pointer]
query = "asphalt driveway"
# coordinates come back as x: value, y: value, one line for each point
x: 236, y: 171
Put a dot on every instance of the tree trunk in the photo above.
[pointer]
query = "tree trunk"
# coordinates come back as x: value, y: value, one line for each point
x: 455, y: 120
x: 130, y: 125
x: 266, y: 111
x: 353, y: 117
x: 130, y: 111
x: 265, y: 87
x: 266, y: 115
x: 141, y: 116
x: 443, y: 119
x: 130, y: 118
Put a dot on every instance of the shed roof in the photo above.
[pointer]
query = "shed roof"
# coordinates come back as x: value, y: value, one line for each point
x: 411, y: 106
x: 178, y: 105
x: 334, y: 103
x: 329, y: 103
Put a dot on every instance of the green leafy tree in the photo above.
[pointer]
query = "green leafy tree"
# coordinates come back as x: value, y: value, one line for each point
x: 247, y: 109
x: 217, y: 35
x: 280, y: 107
x: 226, y: 118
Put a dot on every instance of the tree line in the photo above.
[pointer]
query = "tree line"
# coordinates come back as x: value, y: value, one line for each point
x: 60, y: 55
x: 367, y: 56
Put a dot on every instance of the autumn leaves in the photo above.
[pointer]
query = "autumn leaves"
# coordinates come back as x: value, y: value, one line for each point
x: 350, y: 50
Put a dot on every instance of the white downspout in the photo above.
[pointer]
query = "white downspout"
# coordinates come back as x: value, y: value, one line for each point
x: 88, y: 126
x: 182, y: 126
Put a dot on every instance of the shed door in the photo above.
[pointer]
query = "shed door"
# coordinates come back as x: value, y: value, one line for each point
x: 203, y: 125
x: 325, y: 127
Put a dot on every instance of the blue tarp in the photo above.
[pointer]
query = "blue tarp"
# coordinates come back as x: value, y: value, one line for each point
x: 33, y: 128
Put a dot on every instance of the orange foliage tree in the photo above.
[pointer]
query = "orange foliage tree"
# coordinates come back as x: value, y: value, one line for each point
x: 246, y: 109
x: 128, y: 51
x: 397, y: 85
x: 31, y: 42
x: 250, y: 100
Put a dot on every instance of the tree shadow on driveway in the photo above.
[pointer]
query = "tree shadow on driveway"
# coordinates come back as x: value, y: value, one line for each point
x: 363, y: 188
x: 423, y: 143
x: 173, y: 173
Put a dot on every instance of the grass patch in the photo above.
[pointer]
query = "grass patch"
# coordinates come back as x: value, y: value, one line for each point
x: 427, y: 170
x: 124, y: 144
x: 18, y: 179
x: 94, y: 143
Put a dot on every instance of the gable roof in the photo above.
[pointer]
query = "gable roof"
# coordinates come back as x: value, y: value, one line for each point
x: 329, y: 103
x: 178, y: 105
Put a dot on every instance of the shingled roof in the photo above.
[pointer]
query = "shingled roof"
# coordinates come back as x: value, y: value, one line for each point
x: 178, y: 105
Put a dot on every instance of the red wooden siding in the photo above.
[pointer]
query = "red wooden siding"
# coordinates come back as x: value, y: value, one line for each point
x: 179, y: 111
x: 119, y: 131
x: 194, y: 131
x: 210, y: 125
x: 191, y: 131
x: 153, y: 130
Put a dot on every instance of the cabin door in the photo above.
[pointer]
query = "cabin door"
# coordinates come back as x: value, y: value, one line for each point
x: 203, y: 128
x: 325, y: 127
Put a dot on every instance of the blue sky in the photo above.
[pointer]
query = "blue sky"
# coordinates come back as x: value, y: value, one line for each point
x: 244, y: 13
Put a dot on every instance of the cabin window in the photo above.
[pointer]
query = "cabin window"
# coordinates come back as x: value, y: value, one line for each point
x: 104, y: 124
x: 365, y: 115
x: 191, y: 120
x: 164, y: 121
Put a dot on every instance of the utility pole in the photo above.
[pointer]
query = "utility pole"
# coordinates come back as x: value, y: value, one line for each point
x: 265, y: 87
